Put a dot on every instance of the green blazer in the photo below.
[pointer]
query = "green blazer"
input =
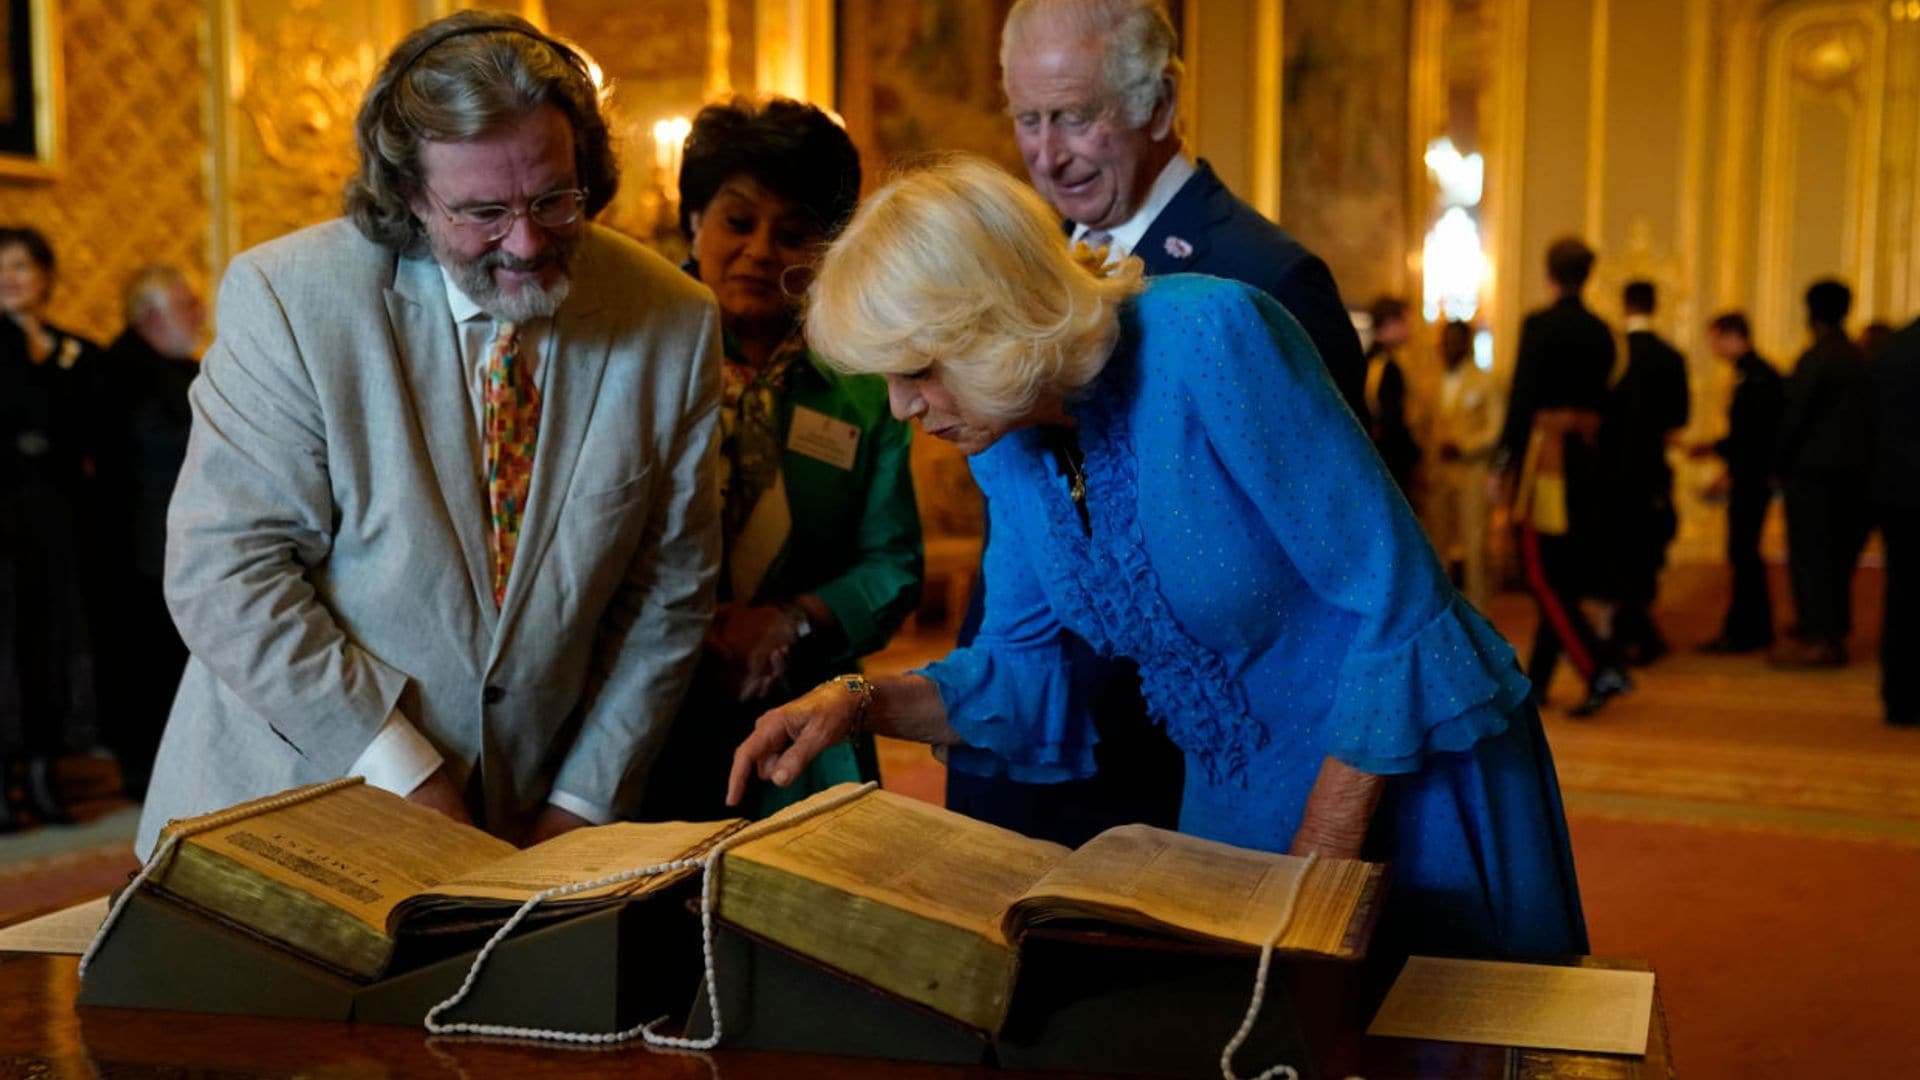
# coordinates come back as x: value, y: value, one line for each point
x: 855, y: 542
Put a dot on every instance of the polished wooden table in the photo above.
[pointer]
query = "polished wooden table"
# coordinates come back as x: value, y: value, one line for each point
x: 42, y: 1034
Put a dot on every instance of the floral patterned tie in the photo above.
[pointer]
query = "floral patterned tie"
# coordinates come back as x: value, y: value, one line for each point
x: 511, y: 422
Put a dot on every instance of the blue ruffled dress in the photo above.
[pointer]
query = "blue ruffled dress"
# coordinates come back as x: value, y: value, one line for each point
x: 1249, y: 551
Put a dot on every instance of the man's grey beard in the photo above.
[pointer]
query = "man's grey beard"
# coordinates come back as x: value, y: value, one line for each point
x: 475, y: 278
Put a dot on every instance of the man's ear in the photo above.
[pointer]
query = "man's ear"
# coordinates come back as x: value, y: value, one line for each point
x: 1160, y: 124
x: 694, y: 218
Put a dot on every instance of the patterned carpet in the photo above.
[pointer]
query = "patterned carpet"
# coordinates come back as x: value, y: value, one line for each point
x: 46, y: 868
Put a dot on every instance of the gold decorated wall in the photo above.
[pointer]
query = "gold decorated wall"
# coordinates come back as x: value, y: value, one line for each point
x: 1343, y: 152
x: 1730, y: 150
x: 132, y: 182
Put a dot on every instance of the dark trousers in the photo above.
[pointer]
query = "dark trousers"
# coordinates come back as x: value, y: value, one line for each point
x: 1640, y: 533
x: 1551, y: 566
x: 1749, y: 622
x: 1140, y: 777
x: 1827, y: 519
x: 155, y: 657
x: 1900, y: 632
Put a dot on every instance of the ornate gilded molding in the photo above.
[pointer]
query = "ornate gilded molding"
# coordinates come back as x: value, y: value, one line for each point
x: 48, y: 106
x: 1833, y: 53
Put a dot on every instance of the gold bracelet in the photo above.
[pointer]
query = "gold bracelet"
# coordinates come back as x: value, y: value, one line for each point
x: 859, y: 686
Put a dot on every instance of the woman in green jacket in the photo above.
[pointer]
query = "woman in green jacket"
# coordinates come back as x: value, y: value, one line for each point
x: 822, y: 557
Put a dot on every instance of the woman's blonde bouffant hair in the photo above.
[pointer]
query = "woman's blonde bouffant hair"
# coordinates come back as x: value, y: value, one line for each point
x: 958, y: 266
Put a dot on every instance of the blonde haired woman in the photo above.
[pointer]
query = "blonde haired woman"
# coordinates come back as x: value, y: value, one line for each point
x: 1173, y: 480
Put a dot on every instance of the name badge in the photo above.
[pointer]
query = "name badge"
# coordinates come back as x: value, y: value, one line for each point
x: 823, y: 438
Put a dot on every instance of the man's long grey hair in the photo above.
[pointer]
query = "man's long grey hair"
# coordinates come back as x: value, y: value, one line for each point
x: 458, y: 78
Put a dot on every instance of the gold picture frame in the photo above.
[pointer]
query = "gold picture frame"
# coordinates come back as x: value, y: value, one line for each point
x: 31, y: 90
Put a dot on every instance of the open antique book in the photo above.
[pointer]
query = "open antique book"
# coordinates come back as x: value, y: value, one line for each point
x: 338, y: 878
x: 930, y: 906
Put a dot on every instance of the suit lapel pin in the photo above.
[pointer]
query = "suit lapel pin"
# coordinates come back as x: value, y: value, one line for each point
x: 1179, y: 248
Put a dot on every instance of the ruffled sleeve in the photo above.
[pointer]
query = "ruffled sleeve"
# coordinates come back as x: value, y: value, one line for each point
x: 1423, y: 671
x: 1020, y: 695
x: 1449, y: 687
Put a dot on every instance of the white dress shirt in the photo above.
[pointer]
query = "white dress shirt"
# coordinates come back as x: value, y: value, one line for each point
x: 1128, y: 234
x: 399, y: 758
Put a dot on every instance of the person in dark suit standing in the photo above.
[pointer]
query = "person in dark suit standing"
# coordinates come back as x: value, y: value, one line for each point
x: 1092, y: 88
x: 1895, y: 371
x: 1753, y: 435
x: 1644, y: 408
x: 1387, y: 392
x: 1826, y: 454
x: 1552, y: 470
x: 150, y: 367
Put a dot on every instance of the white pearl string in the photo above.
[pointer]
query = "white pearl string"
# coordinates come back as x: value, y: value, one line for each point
x: 176, y: 833
x: 1260, y: 984
x: 707, y: 864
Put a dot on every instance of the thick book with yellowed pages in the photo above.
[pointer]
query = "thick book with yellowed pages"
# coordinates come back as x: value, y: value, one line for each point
x: 339, y: 876
x: 929, y: 905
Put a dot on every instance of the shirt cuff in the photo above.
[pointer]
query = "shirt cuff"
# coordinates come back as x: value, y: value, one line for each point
x: 398, y: 759
x: 574, y: 804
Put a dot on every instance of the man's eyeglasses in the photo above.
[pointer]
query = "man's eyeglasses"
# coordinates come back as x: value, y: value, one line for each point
x: 554, y: 210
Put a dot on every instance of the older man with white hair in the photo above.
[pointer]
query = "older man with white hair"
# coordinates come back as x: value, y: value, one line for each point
x: 142, y: 389
x: 1093, y: 87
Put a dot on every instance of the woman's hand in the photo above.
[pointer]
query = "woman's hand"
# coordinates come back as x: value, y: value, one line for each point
x: 786, y: 739
x: 757, y: 642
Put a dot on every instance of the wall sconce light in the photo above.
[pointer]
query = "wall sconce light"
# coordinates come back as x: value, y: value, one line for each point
x: 669, y: 143
x: 1454, y: 264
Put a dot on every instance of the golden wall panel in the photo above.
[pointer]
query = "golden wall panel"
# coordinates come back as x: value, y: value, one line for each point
x: 133, y: 187
x: 297, y: 73
x: 1343, y: 140
x: 1644, y: 141
x: 1553, y: 145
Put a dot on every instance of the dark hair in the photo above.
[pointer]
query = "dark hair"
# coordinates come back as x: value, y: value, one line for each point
x: 1569, y: 261
x: 1828, y: 302
x: 33, y: 241
x: 790, y: 147
x: 1456, y: 329
x: 1638, y: 297
x: 458, y: 78
x: 1732, y: 322
x: 1386, y: 309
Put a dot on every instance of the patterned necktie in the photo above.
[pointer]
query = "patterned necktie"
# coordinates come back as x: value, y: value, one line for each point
x: 511, y: 421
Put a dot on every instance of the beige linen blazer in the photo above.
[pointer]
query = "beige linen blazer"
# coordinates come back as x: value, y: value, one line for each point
x: 328, y: 543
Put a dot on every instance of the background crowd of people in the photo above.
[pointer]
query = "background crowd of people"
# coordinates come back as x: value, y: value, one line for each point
x: 90, y: 442
x: 1577, y: 457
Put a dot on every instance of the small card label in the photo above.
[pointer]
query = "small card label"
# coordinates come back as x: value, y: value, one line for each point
x: 823, y: 438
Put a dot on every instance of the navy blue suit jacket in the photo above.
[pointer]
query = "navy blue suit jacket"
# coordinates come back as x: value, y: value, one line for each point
x: 1219, y: 234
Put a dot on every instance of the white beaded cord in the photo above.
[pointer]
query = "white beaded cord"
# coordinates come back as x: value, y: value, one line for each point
x: 708, y: 864
x: 175, y: 835
x: 1260, y: 984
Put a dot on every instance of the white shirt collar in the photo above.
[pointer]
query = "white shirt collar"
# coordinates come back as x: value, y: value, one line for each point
x: 464, y: 309
x: 1638, y: 323
x: 1128, y: 234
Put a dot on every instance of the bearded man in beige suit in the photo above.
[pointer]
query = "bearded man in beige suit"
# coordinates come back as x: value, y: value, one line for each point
x: 449, y: 517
